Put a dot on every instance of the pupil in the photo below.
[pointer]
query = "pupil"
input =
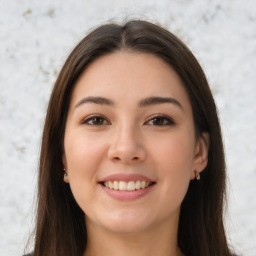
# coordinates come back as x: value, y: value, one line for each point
x: 98, y: 120
x: 158, y: 121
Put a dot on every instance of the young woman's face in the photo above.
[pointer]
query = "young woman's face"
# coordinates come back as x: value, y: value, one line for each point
x: 130, y: 147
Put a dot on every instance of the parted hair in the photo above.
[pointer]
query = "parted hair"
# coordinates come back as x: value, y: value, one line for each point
x: 60, y: 223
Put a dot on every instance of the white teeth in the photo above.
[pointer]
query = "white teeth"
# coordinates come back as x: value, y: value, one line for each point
x: 110, y: 184
x: 115, y: 185
x: 126, y: 186
x: 131, y: 185
x: 138, y: 184
x: 122, y: 185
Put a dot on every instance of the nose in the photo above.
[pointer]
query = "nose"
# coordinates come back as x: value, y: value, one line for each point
x: 126, y: 147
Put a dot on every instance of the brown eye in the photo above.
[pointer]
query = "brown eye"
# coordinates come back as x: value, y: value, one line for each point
x: 96, y: 120
x: 160, y: 121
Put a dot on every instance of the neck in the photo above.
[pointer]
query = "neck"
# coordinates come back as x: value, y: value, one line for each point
x: 157, y: 241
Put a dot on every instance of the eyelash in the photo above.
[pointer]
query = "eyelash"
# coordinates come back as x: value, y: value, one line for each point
x: 164, y: 120
x: 96, y: 118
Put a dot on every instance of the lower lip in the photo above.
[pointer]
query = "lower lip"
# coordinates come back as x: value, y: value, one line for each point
x: 127, y: 195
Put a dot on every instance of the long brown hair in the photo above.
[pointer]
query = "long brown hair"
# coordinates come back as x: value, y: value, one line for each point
x: 60, y: 227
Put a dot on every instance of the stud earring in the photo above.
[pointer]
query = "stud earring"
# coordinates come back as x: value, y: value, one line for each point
x: 197, y: 175
x: 65, y: 174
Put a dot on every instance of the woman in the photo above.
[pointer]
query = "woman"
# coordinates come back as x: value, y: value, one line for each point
x: 132, y: 159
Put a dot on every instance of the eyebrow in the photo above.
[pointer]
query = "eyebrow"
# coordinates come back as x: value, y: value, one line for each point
x: 95, y: 100
x: 143, y: 103
x: 159, y: 100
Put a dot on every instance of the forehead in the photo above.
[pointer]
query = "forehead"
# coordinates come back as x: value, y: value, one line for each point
x: 127, y: 77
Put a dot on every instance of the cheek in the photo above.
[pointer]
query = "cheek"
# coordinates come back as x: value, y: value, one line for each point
x: 174, y: 161
x: 174, y: 154
x: 83, y: 153
x: 82, y: 157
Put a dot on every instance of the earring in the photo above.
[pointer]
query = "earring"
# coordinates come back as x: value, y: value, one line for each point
x: 65, y: 174
x: 197, y: 175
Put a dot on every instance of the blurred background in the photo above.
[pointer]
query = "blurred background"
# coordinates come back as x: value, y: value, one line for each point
x: 37, y: 36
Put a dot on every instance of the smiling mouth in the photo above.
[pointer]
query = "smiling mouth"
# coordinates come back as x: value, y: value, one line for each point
x: 127, y: 186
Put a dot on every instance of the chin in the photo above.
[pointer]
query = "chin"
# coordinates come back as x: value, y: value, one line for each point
x: 127, y: 227
x: 127, y: 222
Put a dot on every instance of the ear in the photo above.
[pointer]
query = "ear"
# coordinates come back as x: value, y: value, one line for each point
x: 201, y: 154
x: 64, y: 162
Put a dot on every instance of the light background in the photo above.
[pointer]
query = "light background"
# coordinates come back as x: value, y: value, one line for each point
x: 37, y: 36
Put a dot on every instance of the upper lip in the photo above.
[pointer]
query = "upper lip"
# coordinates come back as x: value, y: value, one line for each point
x: 126, y: 177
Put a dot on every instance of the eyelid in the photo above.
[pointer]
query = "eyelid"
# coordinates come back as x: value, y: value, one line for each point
x: 161, y: 116
x: 91, y: 116
x: 170, y: 121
